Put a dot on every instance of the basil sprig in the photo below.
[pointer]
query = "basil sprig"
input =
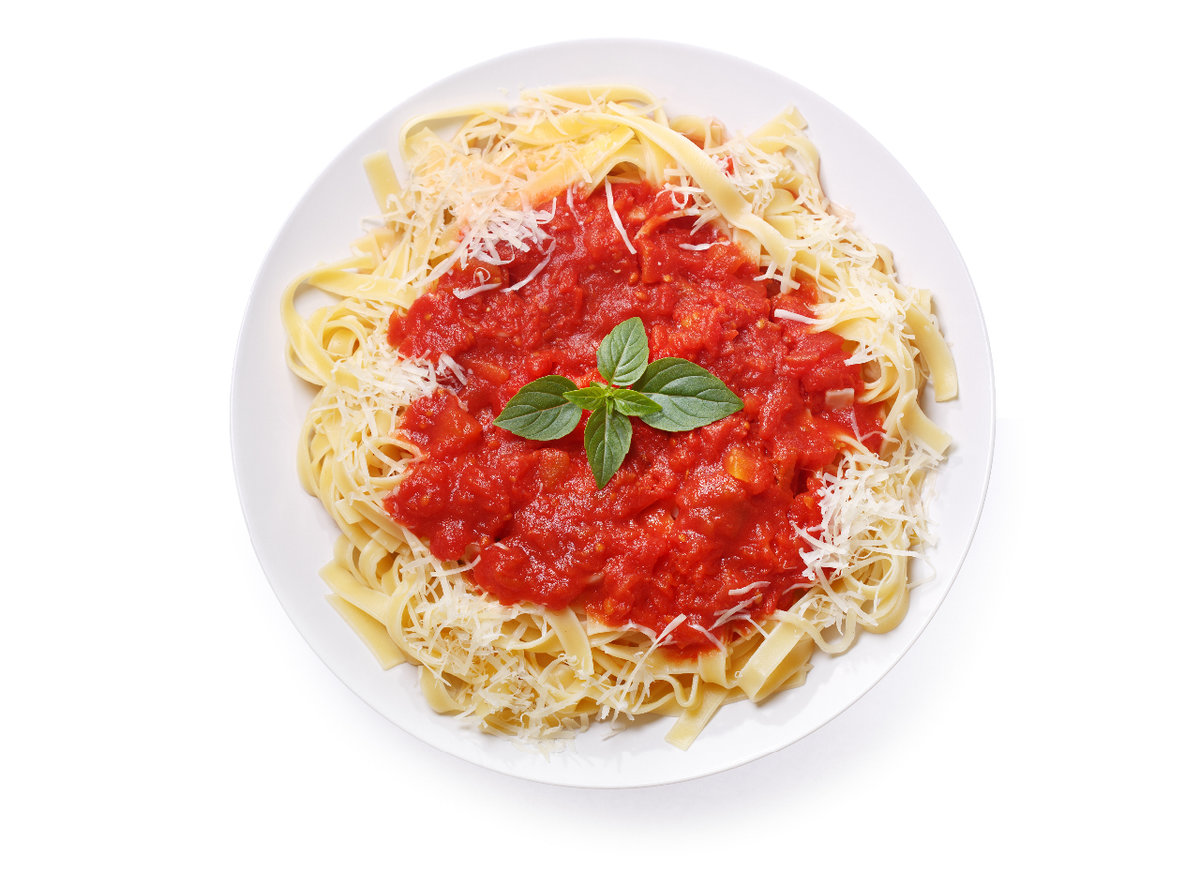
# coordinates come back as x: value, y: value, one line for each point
x: 670, y: 394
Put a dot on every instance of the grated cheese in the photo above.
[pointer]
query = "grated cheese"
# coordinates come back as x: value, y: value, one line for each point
x: 472, y: 198
x: 612, y: 210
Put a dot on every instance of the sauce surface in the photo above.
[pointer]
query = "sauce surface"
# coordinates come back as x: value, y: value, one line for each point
x: 702, y: 523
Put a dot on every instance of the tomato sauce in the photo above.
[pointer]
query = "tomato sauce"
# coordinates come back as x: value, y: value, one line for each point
x: 693, y: 523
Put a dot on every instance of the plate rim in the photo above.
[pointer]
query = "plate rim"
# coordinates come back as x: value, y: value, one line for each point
x: 353, y: 151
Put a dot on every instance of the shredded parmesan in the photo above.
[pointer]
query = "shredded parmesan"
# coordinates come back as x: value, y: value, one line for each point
x: 785, y: 314
x: 533, y: 273
x: 612, y: 210
x: 472, y: 200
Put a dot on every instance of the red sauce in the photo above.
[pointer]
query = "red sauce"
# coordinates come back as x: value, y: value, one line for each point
x: 691, y: 519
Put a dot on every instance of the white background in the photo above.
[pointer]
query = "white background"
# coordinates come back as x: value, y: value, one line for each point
x: 158, y: 710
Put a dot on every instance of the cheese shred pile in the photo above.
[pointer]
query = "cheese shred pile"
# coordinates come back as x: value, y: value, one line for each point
x: 475, y: 189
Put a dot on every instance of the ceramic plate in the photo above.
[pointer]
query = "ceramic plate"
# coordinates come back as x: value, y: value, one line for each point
x: 294, y: 538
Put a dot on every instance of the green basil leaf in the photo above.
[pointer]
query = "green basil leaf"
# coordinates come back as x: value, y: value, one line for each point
x: 589, y: 398
x: 539, y: 411
x: 690, y: 395
x: 634, y: 404
x: 606, y: 439
x: 622, y: 355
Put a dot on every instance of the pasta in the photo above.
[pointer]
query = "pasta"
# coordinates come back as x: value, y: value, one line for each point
x: 482, y: 183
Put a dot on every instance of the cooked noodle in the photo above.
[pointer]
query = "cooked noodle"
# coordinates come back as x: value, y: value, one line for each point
x: 522, y: 669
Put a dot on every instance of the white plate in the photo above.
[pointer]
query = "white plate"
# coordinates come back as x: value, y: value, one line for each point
x: 293, y: 537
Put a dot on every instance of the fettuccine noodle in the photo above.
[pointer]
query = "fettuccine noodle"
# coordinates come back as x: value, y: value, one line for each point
x: 523, y: 669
